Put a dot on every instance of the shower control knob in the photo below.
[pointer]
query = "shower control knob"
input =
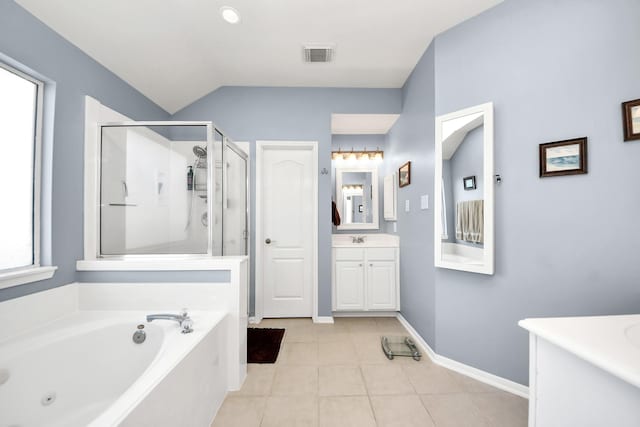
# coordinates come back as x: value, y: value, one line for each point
x: 267, y: 241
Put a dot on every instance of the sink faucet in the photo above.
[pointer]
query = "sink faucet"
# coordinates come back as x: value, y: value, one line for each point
x: 183, y: 319
x: 357, y: 239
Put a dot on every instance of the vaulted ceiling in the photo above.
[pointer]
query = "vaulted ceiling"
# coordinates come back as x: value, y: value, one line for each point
x: 176, y: 51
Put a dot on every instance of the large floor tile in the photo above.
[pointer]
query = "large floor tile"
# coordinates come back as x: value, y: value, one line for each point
x: 429, y: 378
x: 302, y: 334
x: 390, y: 326
x: 502, y: 409
x: 298, y: 353
x: 259, y: 380
x: 340, y: 381
x: 353, y: 411
x: 336, y: 353
x: 292, y: 411
x: 400, y: 411
x: 239, y: 411
x: 386, y: 380
x: 453, y: 410
x: 295, y: 380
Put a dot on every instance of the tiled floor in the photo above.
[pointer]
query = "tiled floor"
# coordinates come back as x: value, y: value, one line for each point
x: 336, y: 375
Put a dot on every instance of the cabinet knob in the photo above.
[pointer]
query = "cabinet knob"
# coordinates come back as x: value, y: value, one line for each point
x: 360, y: 265
x: 267, y: 241
x: 370, y: 265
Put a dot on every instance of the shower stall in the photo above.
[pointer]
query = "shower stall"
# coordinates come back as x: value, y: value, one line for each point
x: 171, y: 188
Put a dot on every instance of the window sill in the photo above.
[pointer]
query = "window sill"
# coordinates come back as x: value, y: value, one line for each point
x: 27, y: 275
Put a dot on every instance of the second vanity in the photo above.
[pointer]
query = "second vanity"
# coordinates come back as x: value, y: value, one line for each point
x: 365, y: 273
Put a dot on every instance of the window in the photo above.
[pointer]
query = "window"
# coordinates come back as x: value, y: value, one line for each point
x: 20, y: 134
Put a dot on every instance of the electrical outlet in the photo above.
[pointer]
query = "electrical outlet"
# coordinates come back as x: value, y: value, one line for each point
x: 424, y: 202
x: 406, y: 206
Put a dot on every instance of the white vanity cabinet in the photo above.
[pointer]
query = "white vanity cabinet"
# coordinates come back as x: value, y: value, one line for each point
x: 365, y: 277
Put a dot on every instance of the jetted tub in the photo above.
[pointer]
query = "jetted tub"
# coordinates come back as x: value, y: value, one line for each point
x: 85, y: 370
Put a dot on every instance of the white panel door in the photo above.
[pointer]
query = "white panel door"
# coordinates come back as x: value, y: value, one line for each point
x: 381, y: 280
x: 349, y: 286
x: 287, y: 231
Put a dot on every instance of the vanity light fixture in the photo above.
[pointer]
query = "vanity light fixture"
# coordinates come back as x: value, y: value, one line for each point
x: 229, y: 14
x: 365, y: 154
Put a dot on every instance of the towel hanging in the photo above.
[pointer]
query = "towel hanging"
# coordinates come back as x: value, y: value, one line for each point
x: 335, y: 215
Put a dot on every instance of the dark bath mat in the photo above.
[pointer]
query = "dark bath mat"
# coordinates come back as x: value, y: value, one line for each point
x: 263, y: 344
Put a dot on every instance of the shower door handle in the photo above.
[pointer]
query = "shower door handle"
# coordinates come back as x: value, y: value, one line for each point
x: 267, y: 241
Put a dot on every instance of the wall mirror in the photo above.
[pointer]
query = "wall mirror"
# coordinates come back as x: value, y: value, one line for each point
x: 357, y: 198
x: 464, y: 203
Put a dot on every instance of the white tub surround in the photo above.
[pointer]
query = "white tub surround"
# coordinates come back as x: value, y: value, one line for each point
x: 584, y: 371
x: 366, y: 274
x: 177, y: 379
x: 230, y: 297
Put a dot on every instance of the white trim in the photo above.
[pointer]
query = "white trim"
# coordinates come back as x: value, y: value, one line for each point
x: 323, y: 319
x: 33, y: 272
x: 254, y: 321
x: 488, y: 265
x: 25, y: 275
x: 477, y: 374
x: 375, y: 208
x: 260, y: 146
x: 365, y: 314
x: 160, y: 263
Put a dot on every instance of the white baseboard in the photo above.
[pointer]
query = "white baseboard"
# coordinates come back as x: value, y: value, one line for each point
x: 323, y: 319
x: 365, y: 313
x: 477, y: 374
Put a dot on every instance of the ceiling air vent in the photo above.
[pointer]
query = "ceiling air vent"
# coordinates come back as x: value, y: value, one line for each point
x: 318, y: 53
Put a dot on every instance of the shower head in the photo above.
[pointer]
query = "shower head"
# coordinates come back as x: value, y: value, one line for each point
x: 201, y: 152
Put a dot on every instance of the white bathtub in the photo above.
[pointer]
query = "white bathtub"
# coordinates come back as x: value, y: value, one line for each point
x: 85, y: 370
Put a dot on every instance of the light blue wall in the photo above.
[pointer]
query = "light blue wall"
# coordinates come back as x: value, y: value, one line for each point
x: 296, y: 114
x: 412, y: 139
x: 73, y: 74
x: 554, y: 70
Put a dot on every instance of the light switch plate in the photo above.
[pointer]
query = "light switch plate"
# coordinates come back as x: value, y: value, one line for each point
x: 395, y: 227
x: 424, y: 202
x: 406, y: 206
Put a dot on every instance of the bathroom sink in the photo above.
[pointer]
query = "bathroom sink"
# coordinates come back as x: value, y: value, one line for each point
x: 633, y: 334
x: 364, y: 240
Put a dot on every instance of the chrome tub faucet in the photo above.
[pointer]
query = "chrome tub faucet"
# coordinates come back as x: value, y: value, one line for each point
x: 183, y: 319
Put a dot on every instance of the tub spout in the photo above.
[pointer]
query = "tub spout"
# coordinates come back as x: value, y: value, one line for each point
x: 183, y: 319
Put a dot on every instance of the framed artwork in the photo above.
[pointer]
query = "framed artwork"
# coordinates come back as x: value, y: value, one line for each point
x: 404, y: 175
x: 631, y: 119
x: 567, y: 157
x: 469, y: 182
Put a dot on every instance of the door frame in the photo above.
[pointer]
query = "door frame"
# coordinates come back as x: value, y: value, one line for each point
x: 261, y: 147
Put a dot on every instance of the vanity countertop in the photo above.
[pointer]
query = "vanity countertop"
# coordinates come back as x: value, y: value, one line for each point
x: 611, y: 343
x: 368, y: 241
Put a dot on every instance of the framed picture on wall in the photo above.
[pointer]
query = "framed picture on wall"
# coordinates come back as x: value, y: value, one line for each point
x: 567, y: 157
x: 469, y: 182
x: 631, y: 119
x: 404, y: 175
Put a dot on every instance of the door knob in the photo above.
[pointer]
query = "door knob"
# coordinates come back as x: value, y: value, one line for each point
x: 267, y: 241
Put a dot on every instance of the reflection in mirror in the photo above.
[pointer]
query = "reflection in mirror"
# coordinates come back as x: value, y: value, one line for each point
x: 464, y: 165
x: 357, y: 198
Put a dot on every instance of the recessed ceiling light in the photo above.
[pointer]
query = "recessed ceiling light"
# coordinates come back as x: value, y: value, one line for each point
x: 229, y: 14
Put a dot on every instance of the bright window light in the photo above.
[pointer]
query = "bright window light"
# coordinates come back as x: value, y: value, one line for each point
x: 18, y: 116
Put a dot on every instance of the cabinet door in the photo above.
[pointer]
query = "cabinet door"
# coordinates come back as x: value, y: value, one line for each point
x: 381, y: 281
x: 349, y: 285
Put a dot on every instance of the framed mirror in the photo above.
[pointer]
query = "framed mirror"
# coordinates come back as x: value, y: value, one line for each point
x: 357, y: 198
x: 464, y: 199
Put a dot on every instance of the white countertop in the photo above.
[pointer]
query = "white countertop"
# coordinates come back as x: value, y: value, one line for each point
x: 609, y: 342
x: 379, y: 240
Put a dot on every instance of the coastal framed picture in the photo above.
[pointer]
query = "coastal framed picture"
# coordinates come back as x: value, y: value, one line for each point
x: 469, y: 182
x: 404, y: 175
x: 567, y: 157
x: 631, y: 119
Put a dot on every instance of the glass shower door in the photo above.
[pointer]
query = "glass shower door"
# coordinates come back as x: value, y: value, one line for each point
x: 235, y: 219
